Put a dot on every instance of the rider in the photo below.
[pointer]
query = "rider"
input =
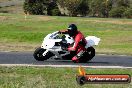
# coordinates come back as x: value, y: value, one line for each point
x: 79, y: 41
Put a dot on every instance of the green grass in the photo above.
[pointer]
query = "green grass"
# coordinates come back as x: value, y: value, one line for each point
x: 16, y: 7
x: 35, y: 77
x: 115, y: 34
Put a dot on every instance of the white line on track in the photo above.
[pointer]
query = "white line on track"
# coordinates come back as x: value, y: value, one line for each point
x: 30, y: 65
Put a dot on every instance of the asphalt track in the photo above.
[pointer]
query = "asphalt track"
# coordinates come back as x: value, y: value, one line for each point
x: 99, y: 61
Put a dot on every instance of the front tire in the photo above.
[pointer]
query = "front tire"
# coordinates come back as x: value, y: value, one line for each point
x: 38, y: 54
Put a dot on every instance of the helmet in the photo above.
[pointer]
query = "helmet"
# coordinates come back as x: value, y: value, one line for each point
x: 72, y: 29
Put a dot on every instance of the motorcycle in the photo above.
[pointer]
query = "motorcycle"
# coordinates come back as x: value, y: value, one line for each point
x: 54, y: 45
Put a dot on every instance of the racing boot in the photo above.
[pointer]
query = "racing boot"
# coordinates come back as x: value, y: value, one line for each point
x: 77, y: 58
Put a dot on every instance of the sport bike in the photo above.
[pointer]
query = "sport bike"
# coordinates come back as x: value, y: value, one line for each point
x: 55, y: 46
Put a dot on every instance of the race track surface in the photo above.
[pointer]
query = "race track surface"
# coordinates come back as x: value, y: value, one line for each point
x: 26, y: 58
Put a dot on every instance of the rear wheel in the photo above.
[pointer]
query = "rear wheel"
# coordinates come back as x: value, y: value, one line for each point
x: 91, y: 52
x: 38, y: 54
x: 88, y: 55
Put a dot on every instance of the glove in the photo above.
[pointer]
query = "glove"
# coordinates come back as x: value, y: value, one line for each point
x: 59, y: 32
x: 63, y: 32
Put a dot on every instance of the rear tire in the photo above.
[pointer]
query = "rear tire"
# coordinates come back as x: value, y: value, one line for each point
x: 87, y: 56
x: 91, y: 52
x: 38, y: 54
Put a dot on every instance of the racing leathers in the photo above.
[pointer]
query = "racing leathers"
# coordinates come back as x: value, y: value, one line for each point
x: 78, y: 46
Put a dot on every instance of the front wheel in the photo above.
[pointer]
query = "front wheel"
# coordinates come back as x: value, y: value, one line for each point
x: 38, y: 54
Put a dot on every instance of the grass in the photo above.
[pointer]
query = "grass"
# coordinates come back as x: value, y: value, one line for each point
x: 4, y: 0
x: 12, y: 9
x: 16, y: 6
x: 115, y: 34
x: 35, y: 77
